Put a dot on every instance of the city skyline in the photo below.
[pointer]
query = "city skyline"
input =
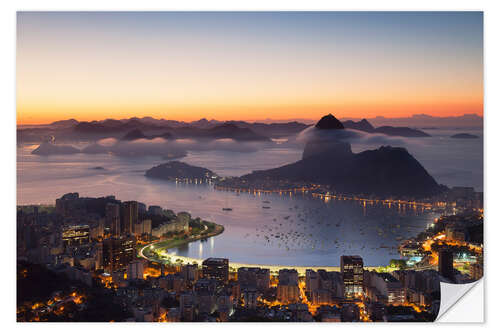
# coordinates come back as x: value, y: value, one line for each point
x: 248, y: 66
x: 247, y: 166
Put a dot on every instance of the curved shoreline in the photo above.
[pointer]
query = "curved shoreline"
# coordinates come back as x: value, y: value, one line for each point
x: 235, y: 265
x: 219, y: 229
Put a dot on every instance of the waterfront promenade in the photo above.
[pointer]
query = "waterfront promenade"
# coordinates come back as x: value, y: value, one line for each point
x: 173, y: 258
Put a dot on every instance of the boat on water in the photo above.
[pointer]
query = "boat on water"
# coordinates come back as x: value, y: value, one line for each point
x: 227, y: 209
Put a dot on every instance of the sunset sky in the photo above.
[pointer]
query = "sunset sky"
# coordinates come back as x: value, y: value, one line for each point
x: 247, y: 66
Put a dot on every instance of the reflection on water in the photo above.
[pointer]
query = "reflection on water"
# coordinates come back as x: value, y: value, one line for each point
x: 295, y: 230
x: 304, y: 231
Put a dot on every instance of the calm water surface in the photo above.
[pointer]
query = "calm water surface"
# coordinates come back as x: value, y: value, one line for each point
x: 295, y: 230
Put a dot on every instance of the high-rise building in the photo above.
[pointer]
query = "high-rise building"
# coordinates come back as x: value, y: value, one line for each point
x: 186, y: 305
x: 446, y: 264
x: 312, y: 281
x: 216, y: 268
x: 250, y: 298
x: 351, y: 268
x: 288, y: 293
x: 138, y: 228
x: 135, y: 270
x: 476, y: 271
x: 321, y: 297
x: 130, y: 216
x: 182, y: 221
x: 141, y: 208
x: 190, y: 272
x: 390, y: 290
x: 155, y: 210
x: 113, y: 219
x: 254, y: 277
x: 97, y: 231
x: 146, y: 227
x: 117, y: 253
x: 288, y: 286
x: 75, y: 235
x: 288, y: 276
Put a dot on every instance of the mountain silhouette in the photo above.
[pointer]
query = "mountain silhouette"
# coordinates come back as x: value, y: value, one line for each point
x: 386, y: 171
x: 329, y: 122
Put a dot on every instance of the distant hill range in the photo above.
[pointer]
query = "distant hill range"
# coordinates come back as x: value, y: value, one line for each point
x: 423, y: 121
x: 203, y: 129
x: 387, y: 171
x: 365, y: 126
x: 150, y: 128
x: 137, y: 134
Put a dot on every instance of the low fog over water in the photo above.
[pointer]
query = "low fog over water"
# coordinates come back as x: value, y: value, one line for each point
x: 295, y: 230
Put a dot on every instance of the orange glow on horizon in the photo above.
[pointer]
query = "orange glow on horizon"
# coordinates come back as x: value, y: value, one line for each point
x: 246, y: 66
x: 45, y: 115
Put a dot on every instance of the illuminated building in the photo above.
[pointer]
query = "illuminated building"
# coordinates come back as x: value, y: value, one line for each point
x: 454, y: 233
x: 97, y: 231
x: 146, y: 227
x: 142, y: 227
x: 117, y: 253
x: 216, y: 268
x: 288, y: 293
x: 389, y: 287
x: 182, y: 221
x: 288, y: 286
x: 112, y: 213
x: 321, y: 297
x: 179, y: 224
x: 476, y: 269
x: 411, y: 249
x: 312, y: 281
x: 76, y: 235
x: 137, y: 229
x: 129, y: 216
x: 351, y: 268
x: 235, y: 289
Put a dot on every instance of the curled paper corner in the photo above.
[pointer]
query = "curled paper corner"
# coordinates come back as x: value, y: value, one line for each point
x: 462, y: 303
